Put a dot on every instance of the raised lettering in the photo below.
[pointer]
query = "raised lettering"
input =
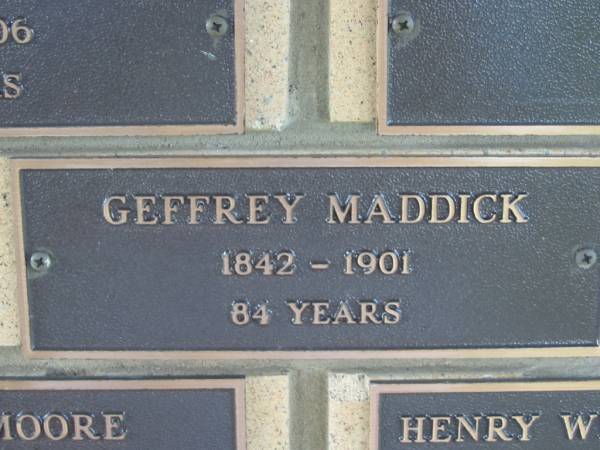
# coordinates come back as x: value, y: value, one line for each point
x: 225, y: 205
x: 510, y: 208
x: 339, y: 214
x: 82, y: 425
x: 284, y: 201
x: 114, y: 425
x: 409, y: 430
x: 525, y: 426
x: 257, y: 206
x: 406, y: 201
x: 435, y: 218
x: 144, y: 205
x: 122, y: 215
x: 581, y: 425
x: 477, y: 209
x: 496, y: 428
x: 36, y: 428
x: 62, y: 424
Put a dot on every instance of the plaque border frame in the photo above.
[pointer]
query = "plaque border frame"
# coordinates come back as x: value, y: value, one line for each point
x: 377, y: 388
x: 160, y: 130
x: 209, y: 384
x: 449, y: 130
x: 248, y: 162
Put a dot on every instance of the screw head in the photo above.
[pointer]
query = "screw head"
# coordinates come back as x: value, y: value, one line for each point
x: 217, y: 26
x: 403, y: 24
x: 586, y: 258
x: 40, y: 261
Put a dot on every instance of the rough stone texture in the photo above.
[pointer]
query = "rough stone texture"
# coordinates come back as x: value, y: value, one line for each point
x: 352, y: 60
x: 267, y: 413
x: 9, y: 323
x: 267, y: 53
x: 348, y: 412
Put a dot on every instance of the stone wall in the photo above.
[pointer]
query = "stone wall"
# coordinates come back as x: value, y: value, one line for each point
x: 310, y: 90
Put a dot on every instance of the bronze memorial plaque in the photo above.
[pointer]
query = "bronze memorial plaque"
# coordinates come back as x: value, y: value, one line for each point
x: 113, y: 67
x: 124, y: 414
x: 322, y: 257
x: 488, y: 67
x: 504, y: 415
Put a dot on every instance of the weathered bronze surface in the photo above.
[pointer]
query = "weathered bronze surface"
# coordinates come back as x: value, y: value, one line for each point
x: 488, y: 67
x: 83, y: 67
x: 339, y: 257
x: 528, y: 415
x: 132, y: 414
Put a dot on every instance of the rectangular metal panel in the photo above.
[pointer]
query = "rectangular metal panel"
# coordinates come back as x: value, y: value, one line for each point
x: 503, y: 273
x: 489, y: 66
x: 529, y: 415
x: 132, y: 414
x: 87, y: 67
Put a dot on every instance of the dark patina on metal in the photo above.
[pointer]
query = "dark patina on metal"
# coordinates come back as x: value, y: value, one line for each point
x: 135, y: 268
x: 127, y: 414
x: 509, y: 63
x: 528, y: 415
x: 113, y: 67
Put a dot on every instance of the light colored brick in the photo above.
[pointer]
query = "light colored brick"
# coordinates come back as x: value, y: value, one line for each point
x: 9, y: 322
x: 267, y: 413
x: 348, y: 427
x: 267, y: 53
x: 352, y: 60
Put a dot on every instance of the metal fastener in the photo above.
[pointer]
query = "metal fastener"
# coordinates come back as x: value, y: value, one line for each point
x: 586, y: 258
x: 217, y: 25
x: 40, y: 261
x: 403, y: 24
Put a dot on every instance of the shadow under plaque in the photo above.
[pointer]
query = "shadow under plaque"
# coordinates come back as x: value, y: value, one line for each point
x: 90, y: 68
x: 488, y: 67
